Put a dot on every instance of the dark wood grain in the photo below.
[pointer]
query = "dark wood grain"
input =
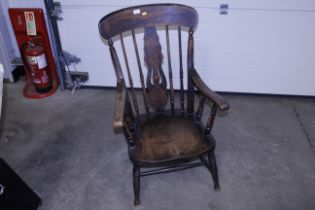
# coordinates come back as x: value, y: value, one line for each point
x: 200, y: 107
x: 136, y: 184
x: 129, y: 120
x: 211, y: 118
x: 168, y: 139
x: 190, y: 64
x: 134, y: 97
x: 115, y: 60
x: 156, y: 81
x: 181, y: 71
x: 146, y: 16
x: 207, y: 92
x: 145, y: 96
x: 170, y: 72
x: 118, y: 119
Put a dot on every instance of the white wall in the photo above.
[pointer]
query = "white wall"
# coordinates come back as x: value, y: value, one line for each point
x: 9, y: 49
x: 259, y: 47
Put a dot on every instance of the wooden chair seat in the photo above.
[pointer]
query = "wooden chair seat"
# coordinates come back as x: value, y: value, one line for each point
x: 167, y: 138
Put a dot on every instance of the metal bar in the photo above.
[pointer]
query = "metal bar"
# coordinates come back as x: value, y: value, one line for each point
x: 171, y: 169
x: 53, y: 26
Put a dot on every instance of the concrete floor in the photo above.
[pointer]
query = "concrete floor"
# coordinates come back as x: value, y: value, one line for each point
x: 65, y: 149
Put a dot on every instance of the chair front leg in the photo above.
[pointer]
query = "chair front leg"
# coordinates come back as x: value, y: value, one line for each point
x: 136, y: 184
x: 214, y: 169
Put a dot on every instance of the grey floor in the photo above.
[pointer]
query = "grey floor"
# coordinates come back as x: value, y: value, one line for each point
x: 65, y: 149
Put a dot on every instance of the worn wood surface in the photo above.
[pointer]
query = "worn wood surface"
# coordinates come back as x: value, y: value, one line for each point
x: 145, y: 16
x: 190, y: 64
x: 118, y: 119
x: 134, y: 97
x: 159, y: 137
x: 181, y: 71
x: 207, y: 92
x: 145, y: 95
x: 169, y: 137
x: 156, y: 81
x: 170, y: 71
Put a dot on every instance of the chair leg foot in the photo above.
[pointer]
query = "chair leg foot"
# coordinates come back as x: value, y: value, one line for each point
x: 136, y: 184
x: 214, y: 170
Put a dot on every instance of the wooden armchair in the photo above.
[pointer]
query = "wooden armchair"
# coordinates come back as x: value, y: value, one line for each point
x: 166, y: 139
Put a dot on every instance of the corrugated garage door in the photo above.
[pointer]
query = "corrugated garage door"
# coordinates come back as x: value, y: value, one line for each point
x: 258, y: 47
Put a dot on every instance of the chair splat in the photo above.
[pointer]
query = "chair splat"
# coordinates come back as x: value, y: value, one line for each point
x: 156, y: 81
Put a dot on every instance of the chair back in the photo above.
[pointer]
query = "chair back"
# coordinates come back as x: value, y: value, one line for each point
x: 151, y: 20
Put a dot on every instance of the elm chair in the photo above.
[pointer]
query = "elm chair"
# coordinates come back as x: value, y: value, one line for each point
x: 165, y: 139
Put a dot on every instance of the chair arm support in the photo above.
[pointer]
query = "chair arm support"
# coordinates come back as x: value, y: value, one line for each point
x: 118, y: 119
x: 217, y: 99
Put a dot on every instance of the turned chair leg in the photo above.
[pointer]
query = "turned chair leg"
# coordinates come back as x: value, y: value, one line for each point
x: 214, y: 169
x: 136, y: 184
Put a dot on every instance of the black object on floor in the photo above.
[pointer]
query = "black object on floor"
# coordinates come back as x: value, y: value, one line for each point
x: 18, y: 72
x: 14, y: 192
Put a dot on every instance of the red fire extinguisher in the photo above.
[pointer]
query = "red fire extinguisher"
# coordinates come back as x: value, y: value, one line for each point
x: 34, y: 55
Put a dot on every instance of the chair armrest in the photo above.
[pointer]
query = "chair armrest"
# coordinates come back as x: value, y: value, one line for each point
x: 217, y: 99
x: 118, y: 119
